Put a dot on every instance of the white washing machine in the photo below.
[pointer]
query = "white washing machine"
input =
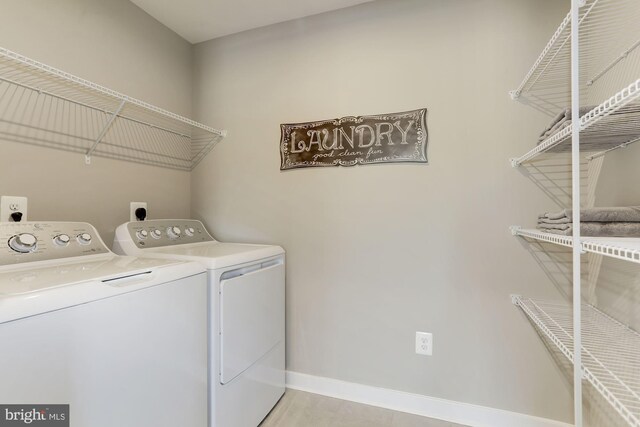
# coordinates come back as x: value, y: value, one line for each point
x: 247, y: 335
x: 122, y: 340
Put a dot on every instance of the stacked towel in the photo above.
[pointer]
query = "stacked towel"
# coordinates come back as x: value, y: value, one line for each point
x: 561, y: 121
x: 619, y: 127
x: 603, y: 222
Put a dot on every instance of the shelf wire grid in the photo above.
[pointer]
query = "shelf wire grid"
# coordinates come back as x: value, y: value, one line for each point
x: 44, y: 106
x: 609, y: 54
x: 622, y: 248
x: 610, y: 350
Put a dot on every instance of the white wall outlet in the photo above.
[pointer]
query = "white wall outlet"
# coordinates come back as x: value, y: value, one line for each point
x: 133, y: 206
x: 424, y: 343
x: 11, y: 207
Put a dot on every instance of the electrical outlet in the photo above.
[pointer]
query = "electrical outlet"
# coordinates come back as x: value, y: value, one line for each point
x: 12, y: 207
x: 133, y: 206
x: 424, y: 343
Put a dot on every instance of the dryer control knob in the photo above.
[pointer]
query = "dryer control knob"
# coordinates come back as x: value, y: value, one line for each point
x: 61, y: 240
x: 156, y: 234
x: 84, y: 238
x: 23, y: 243
x: 142, y: 234
x: 173, y: 232
x: 189, y: 231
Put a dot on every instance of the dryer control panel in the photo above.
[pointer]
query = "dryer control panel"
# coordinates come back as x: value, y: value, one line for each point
x: 40, y: 241
x: 157, y: 233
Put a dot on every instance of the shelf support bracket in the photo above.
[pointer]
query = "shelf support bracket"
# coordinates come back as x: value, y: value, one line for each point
x: 107, y: 126
x: 602, y: 153
x: 514, y: 229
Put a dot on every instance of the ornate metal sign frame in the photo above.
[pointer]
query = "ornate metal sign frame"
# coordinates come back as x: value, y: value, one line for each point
x: 349, y: 141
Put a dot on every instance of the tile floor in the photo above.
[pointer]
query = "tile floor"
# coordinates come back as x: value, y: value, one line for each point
x: 300, y: 409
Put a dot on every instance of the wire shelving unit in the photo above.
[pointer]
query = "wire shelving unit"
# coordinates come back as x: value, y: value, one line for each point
x: 623, y: 248
x: 594, y: 52
x: 42, y: 105
x: 609, y: 350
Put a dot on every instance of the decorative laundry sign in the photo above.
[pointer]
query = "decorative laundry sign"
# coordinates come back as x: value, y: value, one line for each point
x: 385, y: 138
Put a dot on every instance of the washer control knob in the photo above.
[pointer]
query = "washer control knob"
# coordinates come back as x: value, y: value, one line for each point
x: 62, y: 240
x: 142, y: 234
x: 23, y: 243
x: 84, y: 238
x: 156, y: 234
x: 189, y: 231
x: 173, y: 232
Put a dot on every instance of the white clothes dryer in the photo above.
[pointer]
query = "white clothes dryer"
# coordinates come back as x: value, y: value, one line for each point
x: 121, y: 340
x: 247, y: 320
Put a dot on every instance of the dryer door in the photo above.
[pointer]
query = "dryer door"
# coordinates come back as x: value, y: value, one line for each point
x: 251, y: 315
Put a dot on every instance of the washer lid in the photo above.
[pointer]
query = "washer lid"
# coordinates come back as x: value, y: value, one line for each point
x: 27, y: 291
x: 214, y: 255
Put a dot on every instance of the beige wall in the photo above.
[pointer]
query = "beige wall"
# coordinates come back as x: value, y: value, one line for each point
x: 376, y: 253
x: 115, y: 44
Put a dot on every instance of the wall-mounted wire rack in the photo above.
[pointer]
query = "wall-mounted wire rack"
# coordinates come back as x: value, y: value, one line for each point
x: 44, y: 106
x: 609, y: 350
x: 594, y: 52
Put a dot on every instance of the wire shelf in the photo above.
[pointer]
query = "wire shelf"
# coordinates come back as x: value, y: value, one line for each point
x: 610, y: 350
x: 609, y: 50
x: 623, y: 248
x: 613, y: 124
x: 44, y: 106
x: 556, y: 239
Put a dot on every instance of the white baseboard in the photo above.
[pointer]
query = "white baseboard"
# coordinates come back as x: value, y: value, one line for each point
x: 448, y: 410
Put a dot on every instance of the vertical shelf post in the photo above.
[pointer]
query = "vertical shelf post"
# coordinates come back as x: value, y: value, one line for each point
x: 575, y: 184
